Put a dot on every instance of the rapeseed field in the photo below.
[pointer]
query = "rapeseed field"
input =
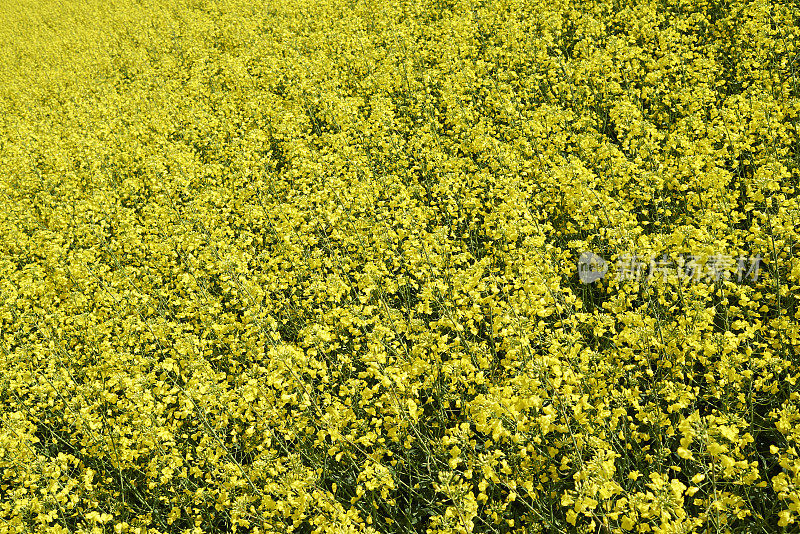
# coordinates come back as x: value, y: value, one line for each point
x: 399, y: 266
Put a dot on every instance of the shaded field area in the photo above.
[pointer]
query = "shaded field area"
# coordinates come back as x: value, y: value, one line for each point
x: 312, y: 266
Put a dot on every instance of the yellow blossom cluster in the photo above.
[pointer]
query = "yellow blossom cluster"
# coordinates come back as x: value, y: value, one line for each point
x: 313, y: 266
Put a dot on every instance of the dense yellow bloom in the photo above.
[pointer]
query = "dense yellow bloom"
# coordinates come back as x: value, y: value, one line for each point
x: 311, y: 266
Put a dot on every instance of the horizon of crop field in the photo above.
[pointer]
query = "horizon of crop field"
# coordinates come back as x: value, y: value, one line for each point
x: 410, y: 266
